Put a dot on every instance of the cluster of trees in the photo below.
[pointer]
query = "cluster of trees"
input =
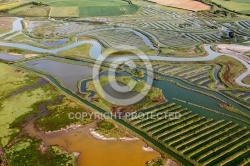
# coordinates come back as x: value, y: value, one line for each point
x: 39, y: 3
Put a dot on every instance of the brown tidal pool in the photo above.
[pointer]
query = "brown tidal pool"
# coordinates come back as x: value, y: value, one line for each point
x: 94, y: 152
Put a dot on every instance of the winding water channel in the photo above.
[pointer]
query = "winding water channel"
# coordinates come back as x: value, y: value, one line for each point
x: 96, y: 50
x: 65, y: 73
x: 170, y: 89
x: 16, y: 27
x: 141, y: 133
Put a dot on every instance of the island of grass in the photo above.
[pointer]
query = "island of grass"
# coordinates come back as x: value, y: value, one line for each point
x: 152, y: 98
x: 109, y: 130
x: 196, y: 51
x: 80, y: 51
x: 136, y: 73
x: 112, y: 53
x: 117, y: 53
x: 231, y: 69
x: 247, y: 80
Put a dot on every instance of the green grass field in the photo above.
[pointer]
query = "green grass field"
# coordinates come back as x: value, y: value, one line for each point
x: 59, y: 3
x: 31, y: 11
x: 242, y: 6
x: 88, y: 8
x: 20, y: 9
x: 71, y: 11
x: 85, y: 11
x: 81, y: 51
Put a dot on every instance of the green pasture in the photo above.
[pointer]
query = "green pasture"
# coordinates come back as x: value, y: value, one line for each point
x: 242, y: 6
x: 22, y: 8
x: 79, y: 3
x: 93, y: 11
x: 86, y: 8
x: 85, y: 11
x: 71, y: 11
x: 31, y: 11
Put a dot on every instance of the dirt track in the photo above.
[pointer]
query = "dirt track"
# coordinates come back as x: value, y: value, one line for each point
x: 184, y: 4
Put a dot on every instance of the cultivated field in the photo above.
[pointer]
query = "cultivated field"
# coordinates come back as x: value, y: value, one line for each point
x: 243, y: 96
x: 58, y: 3
x: 56, y: 29
x: 88, y: 8
x: 206, y: 75
x: 6, y: 6
x: 200, y: 75
x: 184, y: 4
x: 118, y: 37
x: 64, y: 12
x: 200, y: 140
x: 31, y: 11
x: 90, y: 11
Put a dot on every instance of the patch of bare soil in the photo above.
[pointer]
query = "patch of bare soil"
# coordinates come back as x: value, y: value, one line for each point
x: 6, y: 24
x: 184, y: 4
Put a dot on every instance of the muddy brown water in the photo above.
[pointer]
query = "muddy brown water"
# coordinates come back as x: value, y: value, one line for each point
x: 94, y: 152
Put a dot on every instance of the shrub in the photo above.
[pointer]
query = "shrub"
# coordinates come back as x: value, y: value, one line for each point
x: 105, y: 125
